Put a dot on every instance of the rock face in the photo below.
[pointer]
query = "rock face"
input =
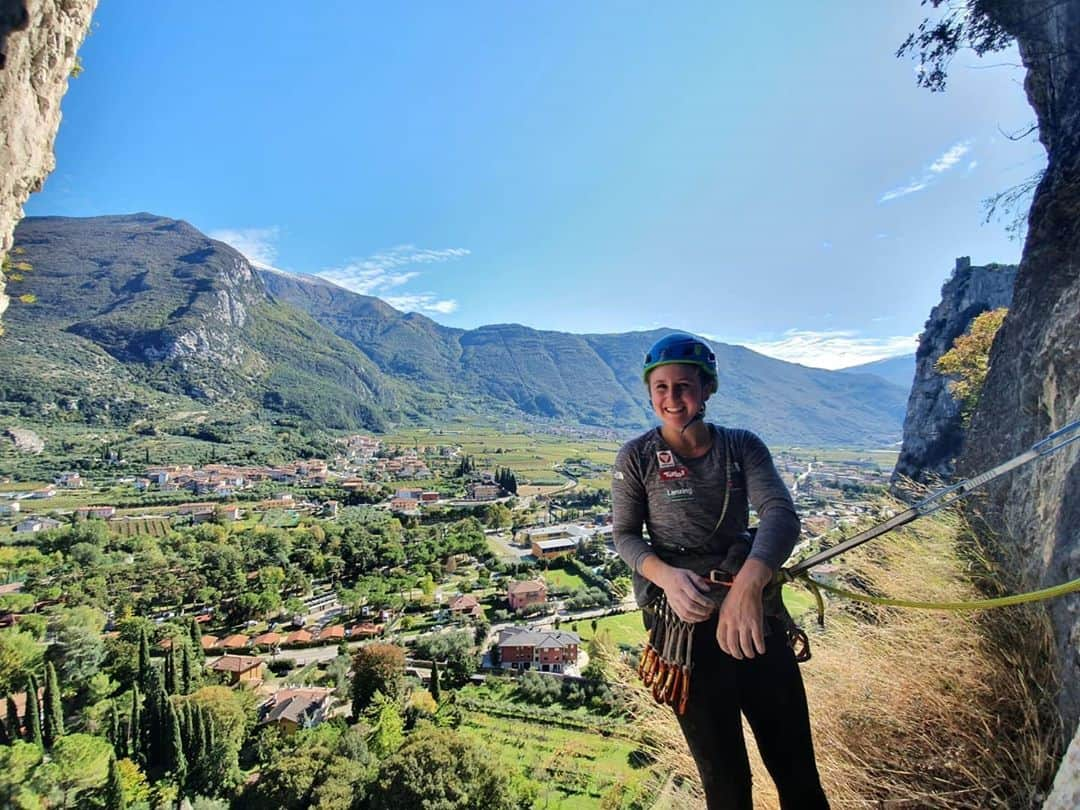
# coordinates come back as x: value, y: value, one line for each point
x: 38, y: 43
x: 933, y: 433
x: 1065, y: 794
x: 1033, y: 387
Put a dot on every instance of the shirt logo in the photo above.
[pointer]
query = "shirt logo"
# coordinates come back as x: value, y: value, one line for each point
x: 666, y: 459
x: 684, y: 494
x: 676, y: 474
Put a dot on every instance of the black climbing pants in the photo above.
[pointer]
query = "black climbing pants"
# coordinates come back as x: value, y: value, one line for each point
x: 768, y: 689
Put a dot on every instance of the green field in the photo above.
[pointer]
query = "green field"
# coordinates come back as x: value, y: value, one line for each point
x: 531, y: 455
x: 625, y: 628
x: 281, y: 519
x: 562, y: 580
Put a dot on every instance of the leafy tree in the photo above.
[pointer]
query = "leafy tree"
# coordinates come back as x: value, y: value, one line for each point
x: 456, y: 649
x: 437, y: 768
x: 388, y: 728
x: 134, y: 783
x: 19, y: 653
x: 326, y: 767
x: 377, y: 668
x: 79, y: 651
x: 53, y: 726
x: 969, y: 360
x: 82, y: 764
x: 982, y: 25
x: 18, y: 762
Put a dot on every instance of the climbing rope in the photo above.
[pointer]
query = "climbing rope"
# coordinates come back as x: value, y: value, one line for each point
x: 799, y: 572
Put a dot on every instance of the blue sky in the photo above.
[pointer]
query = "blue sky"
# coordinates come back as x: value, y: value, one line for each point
x: 767, y: 174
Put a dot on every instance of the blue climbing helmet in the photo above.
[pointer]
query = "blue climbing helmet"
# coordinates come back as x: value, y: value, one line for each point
x: 679, y: 347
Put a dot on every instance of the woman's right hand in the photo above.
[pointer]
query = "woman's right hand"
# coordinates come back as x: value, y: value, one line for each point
x: 685, y: 590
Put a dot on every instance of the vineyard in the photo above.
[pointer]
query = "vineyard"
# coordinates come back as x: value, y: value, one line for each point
x: 140, y: 527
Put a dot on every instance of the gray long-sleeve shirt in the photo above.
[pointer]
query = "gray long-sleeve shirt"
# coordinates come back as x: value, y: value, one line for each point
x: 680, y: 502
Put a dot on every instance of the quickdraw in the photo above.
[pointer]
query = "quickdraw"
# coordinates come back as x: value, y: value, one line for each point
x: 666, y: 662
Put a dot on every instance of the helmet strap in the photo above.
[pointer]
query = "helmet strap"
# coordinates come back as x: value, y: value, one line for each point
x: 697, y: 417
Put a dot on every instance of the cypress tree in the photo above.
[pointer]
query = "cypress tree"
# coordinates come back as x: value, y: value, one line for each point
x: 33, y: 713
x: 145, y: 666
x: 196, y: 755
x: 14, y: 726
x: 434, y: 686
x: 53, y: 727
x: 195, y: 635
x: 209, y: 744
x: 114, y: 788
x: 187, y: 670
x: 174, y: 760
x: 153, y: 722
x: 115, y: 735
x: 134, y: 728
x: 170, y: 672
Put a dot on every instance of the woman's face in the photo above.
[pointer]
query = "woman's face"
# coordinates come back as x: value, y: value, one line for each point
x: 676, y: 393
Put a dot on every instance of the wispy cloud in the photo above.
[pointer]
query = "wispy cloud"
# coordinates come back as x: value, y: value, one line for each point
x: 903, y: 191
x: 387, y: 270
x: 951, y: 157
x: 946, y: 161
x: 833, y: 349
x: 259, y: 245
x: 422, y: 302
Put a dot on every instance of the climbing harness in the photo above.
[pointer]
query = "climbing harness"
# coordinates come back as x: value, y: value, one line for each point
x: 1057, y: 440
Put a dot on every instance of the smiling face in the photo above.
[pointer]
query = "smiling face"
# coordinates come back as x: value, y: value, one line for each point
x: 676, y: 393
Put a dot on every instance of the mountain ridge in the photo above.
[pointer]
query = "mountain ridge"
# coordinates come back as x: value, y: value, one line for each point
x: 181, y: 314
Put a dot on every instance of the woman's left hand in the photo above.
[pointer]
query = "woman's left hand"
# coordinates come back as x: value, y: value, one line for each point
x: 740, y: 628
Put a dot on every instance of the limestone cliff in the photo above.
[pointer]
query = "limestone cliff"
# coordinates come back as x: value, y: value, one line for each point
x: 933, y: 433
x: 38, y: 43
x: 1033, y: 386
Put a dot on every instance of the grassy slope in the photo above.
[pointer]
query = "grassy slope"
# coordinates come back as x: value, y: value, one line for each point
x: 925, y: 709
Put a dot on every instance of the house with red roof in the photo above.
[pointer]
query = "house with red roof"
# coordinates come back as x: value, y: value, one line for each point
x: 521, y: 594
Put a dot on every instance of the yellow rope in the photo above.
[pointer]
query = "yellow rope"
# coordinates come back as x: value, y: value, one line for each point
x: 816, y: 586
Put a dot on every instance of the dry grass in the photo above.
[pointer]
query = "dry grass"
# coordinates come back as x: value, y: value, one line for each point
x: 915, y: 709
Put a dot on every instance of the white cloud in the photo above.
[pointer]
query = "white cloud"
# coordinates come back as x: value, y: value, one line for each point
x: 946, y: 161
x: 833, y: 349
x: 258, y: 245
x: 422, y: 302
x: 951, y: 157
x: 385, y: 271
